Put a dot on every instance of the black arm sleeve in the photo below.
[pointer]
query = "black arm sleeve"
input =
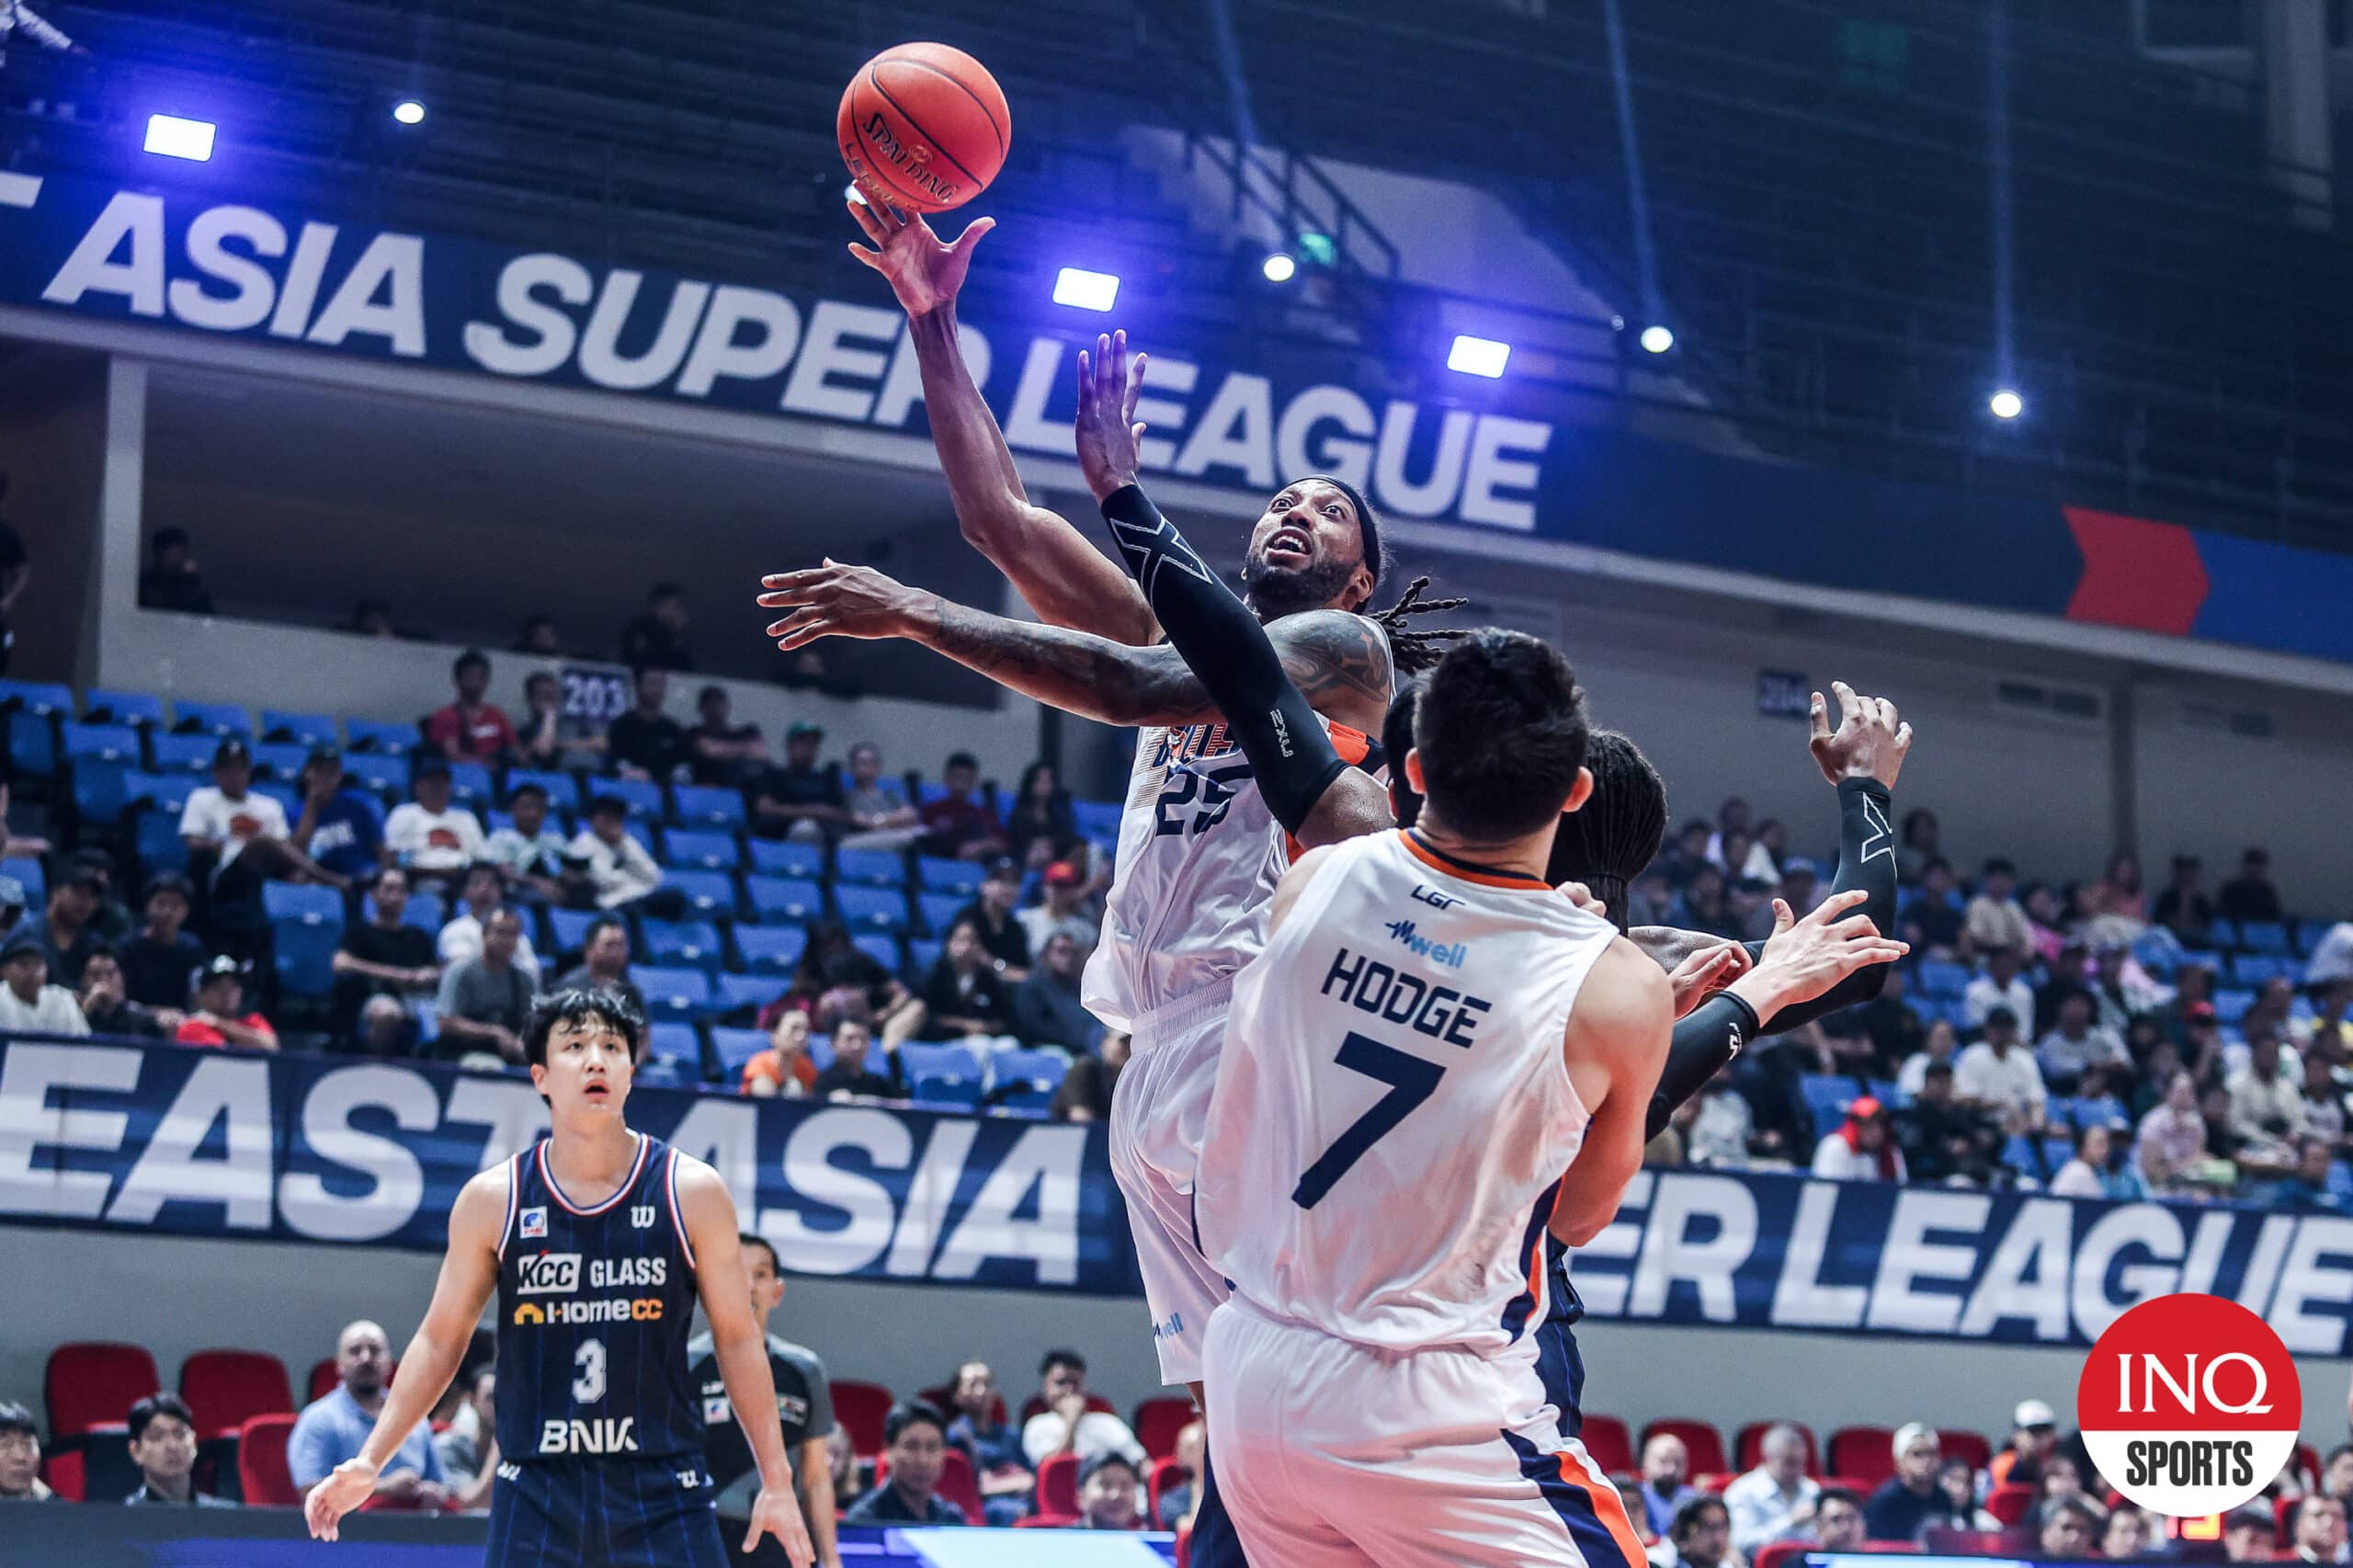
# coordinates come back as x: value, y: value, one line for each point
x: 1866, y: 860
x: 1224, y: 644
x: 1705, y: 1039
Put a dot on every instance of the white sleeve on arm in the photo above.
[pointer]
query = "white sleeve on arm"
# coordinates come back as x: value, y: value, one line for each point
x: 41, y: 32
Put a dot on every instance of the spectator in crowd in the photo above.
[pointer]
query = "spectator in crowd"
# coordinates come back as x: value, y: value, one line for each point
x: 1111, y: 1493
x: 2320, y: 1528
x: 108, y: 1009
x: 848, y: 1077
x: 485, y: 1001
x: 2085, y: 1174
x: 1686, y: 854
x: 604, y: 962
x: 1630, y: 1498
x: 1041, y: 826
x: 539, y: 636
x: 163, y: 1445
x: 657, y: 640
x: 1771, y: 1502
x: 462, y: 936
x: 804, y: 1404
x: 1721, y: 1126
x: 472, y: 728
x: 217, y: 1013
x: 2274, y: 1012
x: 1705, y: 907
x: 2076, y: 1047
x: 2250, y: 895
x: 372, y: 617
x: 1701, y: 1533
x: 2034, y: 1438
x: 529, y: 853
x: 961, y: 824
x: 1887, y: 1021
x: 1996, y: 919
x: 1838, y: 1520
x: 1178, y: 1498
x: 966, y: 992
x: 719, y: 751
x: 1066, y: 1426
x: 63, y: 928
x: 1667, y: 1480
x: 1003, y: 937
x: 340, y: 827
x: 1934, y: 913
x: 2331, y: 963
x: 2306, y: 1188
x: 383, y: 955
x: 1046, y: 1008
x: 2182, y: 908
x: 1909, y: 1499
x: 336, y: 1427
x: 1862, y: 1148
x: 2170, y: 1147
x: 618, y: 866
x: 1731, y: 820
x: 549, y: 736
x: 915, y: 1439
x: 1957, y: 1479
x: 2002, y: 986
x: 784, y: 1068
x: 2323, y: 1101
x: 646, y: 742
x: 2001, y: 1075
x: 436, y: 840
x: 2070, y: 1528
x: 2336, y: 1472
x: 242, y: 834
x: 835, y: 979
x: 469, y: 1450
x: 1085, y: 1091
x: 1943, y: 1139
x: 800, y: 799
x: 29, y: 1003
x: 20, y: 1456
x: 992, y: 1443
x: 384, y: 1028
x: 157, y: 962
x: 1065, y: 909
x: 879, y: 815
x: 1939, y: 1046
x: 2128, y: 1534
x: 2250, y: 1534
x: 843, y: 1465
x: 2266, y: 1101
x: 170, y: 580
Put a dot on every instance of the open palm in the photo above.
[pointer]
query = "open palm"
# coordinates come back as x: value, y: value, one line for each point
x: 923, y: 273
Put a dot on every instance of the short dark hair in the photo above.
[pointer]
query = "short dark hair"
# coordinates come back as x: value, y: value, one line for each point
x: 754, y: 1239
x: 579, y: 1005
x: 163, y: 540
x: 527, y: 788
x: 599, y: 926
x: 1500, y: 729
x: 1105, y: 1461
x: 1936, y: 863
x: 962, y: 759
x: 914, y: 1412
x: 2336, y: 1453
x: 1997, y: 867
x: 155, y: 1404
x: 1059, y: 1357
x: 2002, y: 1016
x: 1688, y: 1517
x: 608, y: 806
x: 709, y: 691
x: 16, y: 1418
x: 664, y: 590
x: 472, y: 658
x: 1846, y: 1495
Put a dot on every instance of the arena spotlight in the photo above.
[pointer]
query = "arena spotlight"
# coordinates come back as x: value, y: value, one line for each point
x: 1279, y: 267
x: 1086, y: 290
x: 1478, y: 356
x: 169, y: 136
x: 408, y: 112
x: 1657, y: 339
x: 2007, y: 405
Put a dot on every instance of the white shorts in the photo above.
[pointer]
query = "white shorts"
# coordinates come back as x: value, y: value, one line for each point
x: 1159, y: 1114
x: 1330, y: 1453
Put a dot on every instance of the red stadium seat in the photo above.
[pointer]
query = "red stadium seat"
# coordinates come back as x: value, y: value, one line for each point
x: 2009, y: 1502
x: 2283, y: 1516
x: 1960, y: 1445
x: 1036, y: 1405
x: 66, y: 1473
x: 2308, y: 1465
x: 957, y: 1483
x: 1165, y: 1473
x: 91, y: 1384
x: 1705, y: 1444
x: 1867, y: 1453
x: 1715, y: 1481
x: 1775, y: 1554
x: 261, y: 1462
x: 860, y: 1409
x: 1749, y: 1446
x: 1854, y: 1484
x: 1058, y: 1484
x: 1157, y: 1422
x: 1607, y: 1441
x: 223, y: 1387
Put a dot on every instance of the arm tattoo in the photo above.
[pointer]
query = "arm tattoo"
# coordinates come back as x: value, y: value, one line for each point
x: 1335, y: 658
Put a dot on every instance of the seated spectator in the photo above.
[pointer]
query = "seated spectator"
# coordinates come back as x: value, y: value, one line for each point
x: 1701, y: 1534
x: 1933, y: 915
x: 1705, y: 908
x: 470, y: 728
x: 880, y: 817
x: 1178, y: 1498
x: 2170, y: 1147
x: 2071, y: 1527
x: 2000, y: 1076
x: 20, y: 1456
x: 1002, y: 935
x: 800, y: 799
x: 1838, y: 1523
x: 372, y: 617
x: 657, y: 640
x: 618, y: 869
x: 1046, y: 1008
x: 960, y: 825
x: 1066, y: 1426
x: 1771, y: 1502
x: 1085, y: 1091
x: 843, y: 1465
x: 2085, y: 1174
x: 604, y: 962
x: 847, y: 1077
x: 157, y: 962
x: 2120, y: 989
x: 1909, y: 1500
x: 1722, y: 1129
x: 2250, y: 895
x: 63, y: 929
x: 1066, y: 910
x: 2182, y: 909
x: 1630, y: 1498
x: 170, y: 580
x: 2319, y: 1526
x: 241, y: 837
x: 1938, y: 1047
x: 646, y: 742
x: 999, y: 1466
x: 915, y: 1439
x: 1041, y: 826
x: 1685, y: 853
x: 485, y: 1001
x: 2002, y: 986
x: 1887, y: 1021
x: 550, y: 737
x: 2332, y: 960
x: 530, y: 854
x: 29, y: 1003
x: 2033, y: 1439
x: 2266, y: 1101
x: 108, y: 1010
x: 1996, y: 919
x: 1862, y: 1148
x: 461, y: 935
x: 719, y: 752
x: 217, y: 1012
x: 2323, y: 1101
x: 340, y: 827
x: 334, y: 1428
x: 2130, y: 1535
x: 965, y: 992
x: 1111, y: 1493
x: 469, y: 1450
x: 1944, y: 1139
x: 2250, y: 1532
x: 784, y: 1068
x: 1666, y: 1480
x: 2306, y: 1189
x: 436, y: 840
x: 2076, y: 1046
x: 2336, y: 1472
x: 539, y: 636
x: 163, y: 1445
x: 837, y: 979
x: 383, y: 955
x: 384, y: 1028
x: 112, y: 919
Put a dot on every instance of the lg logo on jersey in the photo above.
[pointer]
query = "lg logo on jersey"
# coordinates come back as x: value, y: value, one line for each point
x: 1434, y: 898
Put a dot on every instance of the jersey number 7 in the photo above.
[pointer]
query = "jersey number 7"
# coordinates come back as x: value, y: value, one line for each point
x: 1411, y: 1081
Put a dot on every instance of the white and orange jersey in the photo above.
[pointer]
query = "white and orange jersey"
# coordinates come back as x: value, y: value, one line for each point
x: 1393, y: 1112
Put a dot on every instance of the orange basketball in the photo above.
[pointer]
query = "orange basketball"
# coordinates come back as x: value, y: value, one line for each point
x: 923, y: 126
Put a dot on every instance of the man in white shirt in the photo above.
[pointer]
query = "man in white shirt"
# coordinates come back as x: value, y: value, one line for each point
x: 2076, y: 1045
x: 2001, y: 986
x: 2000, y: 1074
x: 1066, y: 1426
x: 430, y: 836
x: 2267, y: 1099
x: 461, y: 938
x: 245, y: 832
x: 619, y: 867
x: 29, y: 1003
x: 1776, y: 1499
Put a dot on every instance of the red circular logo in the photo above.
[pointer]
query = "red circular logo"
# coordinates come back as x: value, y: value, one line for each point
x: 2190, y: 1404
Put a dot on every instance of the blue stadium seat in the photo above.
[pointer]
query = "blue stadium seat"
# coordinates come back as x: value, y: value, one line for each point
x: 703, y: 851
x: 2020, y: 1155
x: 1826, y: 1096
x: 771, y: 950
x: 280, y: 759
x: 641, y: 795
x: 706, y: 806
x: 30, y: 877
x: 164, y: 791
x: 883, y: 951
x: 303, y: 957
x: 97, y: 792
x: 2057, y: 1152
x: 821, y: 1051
x: 677, y: 1044
x: 2308, y: 936
x: 923, y: 1061
x: 470, y: 784
x: 103, y: 707
x: 2264, y: 937
x: 643, y: 830
x: 940, y: 909
x: 219, y: 719
x: 928, y: 790
x: 1940, y: 978
x: 424, y: 912
x: 2224, y: 933
x: 563, y: 792
x: 32, y: 745
x: 374, y: 735
x: 39, y: 696
x: 865, y: 909
x: 1097, y: 819
x: 777, y: 899
x: 922, y: 953
x: 115, y: 743
x: 569, y: 930
x: 870, y: 867
x: 156, y: 840
x: 733, y: 1048
x: 682, y: 942
x: 2255, y: 969
x: 709, y: 894
x: 2203, y: 957
x: 1887, y: 1092
x: 303, y: 904
x: 284, y: 794
x: 185, y: 754
x: 2102, y: 1110
x: 1045, y: 1068
x: 2230, y: 1004
x: 946, y: 1094
x: 301, y: 729
x: 940, y: 875
x: 746, y: 990
x: 384, y: 775
x: 783, y: 857
x: 673, y: 995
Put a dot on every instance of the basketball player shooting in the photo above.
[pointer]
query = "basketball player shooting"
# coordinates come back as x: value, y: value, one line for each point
x: 598, y: 1242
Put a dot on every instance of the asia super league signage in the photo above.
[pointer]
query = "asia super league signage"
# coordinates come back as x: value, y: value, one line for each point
x: 364, y: 1152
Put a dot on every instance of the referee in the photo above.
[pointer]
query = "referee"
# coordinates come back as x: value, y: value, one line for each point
x: 804, y: 1403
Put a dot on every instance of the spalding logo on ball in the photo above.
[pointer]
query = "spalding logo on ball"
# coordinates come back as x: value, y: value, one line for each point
x: 2189, y: 1404
x: 924, y: 126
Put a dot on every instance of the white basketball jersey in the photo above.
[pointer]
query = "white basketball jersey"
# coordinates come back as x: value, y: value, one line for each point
x: 1394, y: 1111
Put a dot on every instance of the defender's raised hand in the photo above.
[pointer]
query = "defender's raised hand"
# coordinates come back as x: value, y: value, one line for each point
x: 1872, y: 741
x: 1108, y: 385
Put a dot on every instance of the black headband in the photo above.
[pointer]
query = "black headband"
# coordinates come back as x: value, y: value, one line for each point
x: 1364, y: 519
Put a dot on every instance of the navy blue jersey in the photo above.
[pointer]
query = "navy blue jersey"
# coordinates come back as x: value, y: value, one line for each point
x: 593, y: 1310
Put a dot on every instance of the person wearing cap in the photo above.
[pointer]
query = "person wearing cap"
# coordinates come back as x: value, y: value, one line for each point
x: 157, y: 961
x: 1109, y: 1487
x: 112, y: 920
x: 2002, y: 986
x: 29, y: 1003
x: 2034, y: 1438
x: 1006, y: 940
x: 216, y: 1010
x: 1907, y: 1499
x: 340, y: 827
x: 646, y: 742
x: 2001, y: 1075
x: 799, y: 799
x: 880, y: 817
x: 720, y: 753
x: 63, y: 928
x: 1862, y: 1148
x: 470, y: 728
x: 1065, y: 910
x: 959, y: 824
x: 435, y: 839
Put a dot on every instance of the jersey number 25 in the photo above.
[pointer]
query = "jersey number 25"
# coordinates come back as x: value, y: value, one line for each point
x: 1213, y: 791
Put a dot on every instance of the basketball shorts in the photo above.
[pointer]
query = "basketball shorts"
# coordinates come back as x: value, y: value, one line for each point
x: 1331, y: 1452
x: 604, y: 1514
x: 1159, y: 1114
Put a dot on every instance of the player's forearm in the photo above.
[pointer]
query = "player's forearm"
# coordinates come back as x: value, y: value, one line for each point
x: 426, y: 1367
x: 751, y: 1388
x: 1113, y: 683
x: 981, y: 479
x: 1866, y: 860
x: 817, y: 1507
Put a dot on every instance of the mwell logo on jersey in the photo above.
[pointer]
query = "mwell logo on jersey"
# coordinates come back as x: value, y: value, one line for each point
x: 2190, y: 1404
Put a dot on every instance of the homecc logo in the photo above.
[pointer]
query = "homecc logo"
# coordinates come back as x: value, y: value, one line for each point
x: 2190, y: 1404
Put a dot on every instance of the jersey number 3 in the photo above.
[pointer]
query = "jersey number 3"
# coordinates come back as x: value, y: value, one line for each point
x: 589, y: 1386
x: 1215, y: 792
x: 1411, y: 1081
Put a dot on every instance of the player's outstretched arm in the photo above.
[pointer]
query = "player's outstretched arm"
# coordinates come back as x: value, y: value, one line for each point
x: 1618, y: 1038
x: 468, y: 1275
x: 743, y: 1355
x: 1065, y: 579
